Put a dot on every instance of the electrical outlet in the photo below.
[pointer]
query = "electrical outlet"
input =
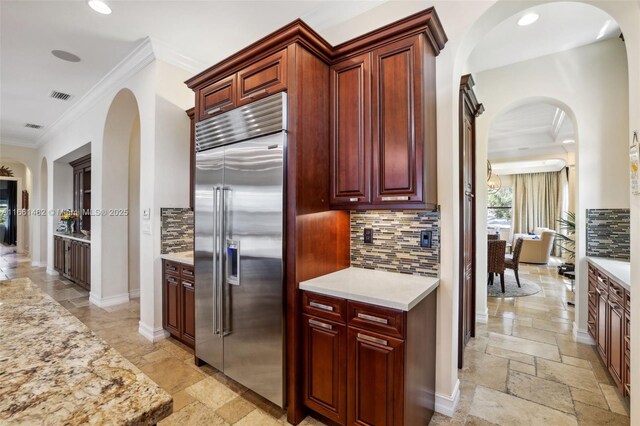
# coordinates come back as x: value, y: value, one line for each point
x: 425, y: 238
x: 368, y: 235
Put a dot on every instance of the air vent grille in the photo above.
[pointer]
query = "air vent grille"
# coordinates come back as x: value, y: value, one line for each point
x: 33, y: 126
x: 60, y: 95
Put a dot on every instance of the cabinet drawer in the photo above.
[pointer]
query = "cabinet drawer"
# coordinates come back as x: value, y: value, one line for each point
x: 187, y: 272
x: 263, y: 78
x: 592, y: 296
x: 171, y: 268
x: 218, y: 97
x: 627, y: 301
x: 375, y: 318
x: 616, y: 293
x: 324, y: 306
x: 602, y: 281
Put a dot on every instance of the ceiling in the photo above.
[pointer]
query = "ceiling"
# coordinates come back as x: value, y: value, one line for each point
x: 561, y: 26
x: 204, y: 32
x: 535, y: 128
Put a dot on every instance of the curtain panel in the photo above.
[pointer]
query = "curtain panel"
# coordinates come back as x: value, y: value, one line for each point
x: 539, y: 200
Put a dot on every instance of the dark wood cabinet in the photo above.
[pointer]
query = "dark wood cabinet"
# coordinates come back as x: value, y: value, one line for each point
x: 397, y: 122
x: 378, y: 361
x: 263, y: 78
x: 376, y: 375
x: 218, y: 97
x: 325, y: 367
x: 72, y: 260
x: 82, y: 192
x: 178, y: 302
x: 383, y: 127
x: 350, y: 114
x: 609, y: 325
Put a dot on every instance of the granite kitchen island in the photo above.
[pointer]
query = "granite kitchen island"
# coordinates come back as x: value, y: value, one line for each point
x: 54, y: 370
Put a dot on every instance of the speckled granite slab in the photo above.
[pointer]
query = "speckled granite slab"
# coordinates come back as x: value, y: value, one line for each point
x: 54, y: 370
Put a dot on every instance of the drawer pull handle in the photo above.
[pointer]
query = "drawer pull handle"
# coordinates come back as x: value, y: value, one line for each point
x: 321, y: 306
x: 259, y: 92
x: 627, y: 339
x: 320, y: 324
x: 187, y: 284
x: 372, y: 339
x: 372, y: 318
x: 591, y: 322
x: 353, y: 200
x: 399, y: 198
x: 172, y: 280
x: 214, y: 110
x: 187, y: 272
x: 601, y: 280
x: 627, y: 386
x: 591, y: 293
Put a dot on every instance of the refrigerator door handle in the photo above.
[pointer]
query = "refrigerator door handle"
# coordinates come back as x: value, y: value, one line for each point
x: 216, y: 261
x: 223, y: 264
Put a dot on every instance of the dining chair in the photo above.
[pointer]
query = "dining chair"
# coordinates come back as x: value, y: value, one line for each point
x: 495, y: 265
x: 513, y: 262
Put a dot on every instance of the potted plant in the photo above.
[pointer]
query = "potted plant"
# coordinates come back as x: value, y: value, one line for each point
x: 565, y: 241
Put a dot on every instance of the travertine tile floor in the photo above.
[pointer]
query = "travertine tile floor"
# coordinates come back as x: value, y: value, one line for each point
x: 522, y: 368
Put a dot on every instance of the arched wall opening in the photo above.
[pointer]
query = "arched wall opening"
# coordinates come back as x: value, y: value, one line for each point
x: 120, y: 183
x: 44, y: 205
x: 20, y: 173
x: 626, y: 14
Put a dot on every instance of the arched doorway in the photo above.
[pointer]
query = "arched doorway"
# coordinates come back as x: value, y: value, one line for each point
x: 117, y: 259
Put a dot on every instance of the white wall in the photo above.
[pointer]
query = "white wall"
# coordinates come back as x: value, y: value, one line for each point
x: 592, y: 82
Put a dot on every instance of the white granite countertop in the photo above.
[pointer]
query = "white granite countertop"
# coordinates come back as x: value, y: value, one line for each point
x: 75, y: 236
x: 619, y: 270
x: 388, y: 289
x: 185, y: 257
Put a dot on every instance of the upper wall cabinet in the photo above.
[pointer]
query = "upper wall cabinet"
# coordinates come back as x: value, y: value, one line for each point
x: 351, y: 131
x: 263, y: 78
x: 383, y: 127
x: 218, y: 97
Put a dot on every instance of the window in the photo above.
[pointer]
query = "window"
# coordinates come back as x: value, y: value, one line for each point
x: 499, y: 208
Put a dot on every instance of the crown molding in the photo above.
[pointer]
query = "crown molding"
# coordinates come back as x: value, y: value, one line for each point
x: 167, y: 54
x: 17, y: 142
x: 135, y: 61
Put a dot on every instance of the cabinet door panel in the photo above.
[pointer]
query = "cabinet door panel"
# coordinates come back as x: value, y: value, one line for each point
x: 397, y: 122
x: 615, y: 343
x: 218, y: 97
x: 172, y: 310
x: 375, y: 379
x: 325, y: 360
x: 350, y: 90
x: 263, y: 78
x: 188, y: 312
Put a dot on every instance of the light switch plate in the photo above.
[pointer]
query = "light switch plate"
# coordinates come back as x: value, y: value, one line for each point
x: 146, y: 214
x: 146, y: 228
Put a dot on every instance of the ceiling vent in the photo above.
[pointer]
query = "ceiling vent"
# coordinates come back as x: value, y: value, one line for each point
x: 59, y: 95
x: 33, y: 126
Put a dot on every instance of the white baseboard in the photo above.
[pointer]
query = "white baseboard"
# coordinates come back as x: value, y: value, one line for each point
x: 582, y: 336
x: 447, y: 404
x: 483, y: 318
x: 152, y: 334
x: 52, y: 272
x: 134, y: 294
x: 108, y: 301
x: 38, y: 264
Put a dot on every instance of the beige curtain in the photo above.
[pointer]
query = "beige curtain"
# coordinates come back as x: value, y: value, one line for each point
x: 539, y: 199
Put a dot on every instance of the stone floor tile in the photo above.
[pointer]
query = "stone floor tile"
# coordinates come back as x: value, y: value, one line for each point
x: 568, y: 374
x: 525, y: 346
x: 542, y: 391
x: 503, y: 409
x: 592, y: 416
x: 211, y: 393
x: 614, y: 399
x: 235, y: 409
x: 194, y: 414
x: 577, y: 362
x: 522, y: 367
x: 485, y: 369
x: 258, y: 418
x: 594, y: 398
x: 506, y: 353
x: 172, y: 374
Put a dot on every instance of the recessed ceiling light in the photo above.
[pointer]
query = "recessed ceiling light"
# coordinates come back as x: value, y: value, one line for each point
x: 528, y: 19
x: 99, y: 6
x: 568, y: 141
x: 65, y: 56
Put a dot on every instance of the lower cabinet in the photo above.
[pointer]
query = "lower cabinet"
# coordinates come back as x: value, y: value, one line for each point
x: 178, y: 302
x: 72, y: 259
x: 369, y: 365
x: 609, y: 325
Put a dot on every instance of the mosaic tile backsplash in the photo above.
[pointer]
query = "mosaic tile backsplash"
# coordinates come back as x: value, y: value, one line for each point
x: 608, y: 233
x: 176, y: 233
x: 396, y: 236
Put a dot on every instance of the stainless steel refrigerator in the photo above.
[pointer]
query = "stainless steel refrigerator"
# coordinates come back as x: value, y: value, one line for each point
x: 239, y: 244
